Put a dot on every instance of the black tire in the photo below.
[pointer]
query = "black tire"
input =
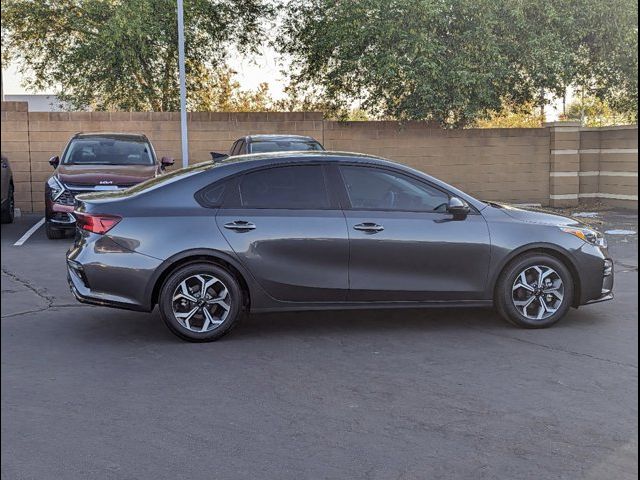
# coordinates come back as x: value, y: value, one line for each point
x: 6, y: 216
x: 504, y: 301
x: 234, y: 301
x: 54, y: 233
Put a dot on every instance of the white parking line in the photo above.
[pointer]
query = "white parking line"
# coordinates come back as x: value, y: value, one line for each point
x: 30, y: 232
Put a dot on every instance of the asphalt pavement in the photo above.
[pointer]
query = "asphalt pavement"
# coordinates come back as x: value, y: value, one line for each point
x: 97, y: 393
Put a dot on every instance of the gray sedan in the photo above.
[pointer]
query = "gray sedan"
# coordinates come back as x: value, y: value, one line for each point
x: 320, y: 231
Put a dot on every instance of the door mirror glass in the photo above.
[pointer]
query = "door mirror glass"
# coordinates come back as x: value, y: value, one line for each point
x: 166, y: 162
x: 54, y: 161
x: 458, y: 206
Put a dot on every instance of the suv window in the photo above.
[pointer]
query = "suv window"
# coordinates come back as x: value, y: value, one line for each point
x: 263, y: 146
x: 378, y: 189
x: 294, y: 187
x: 105, y: 150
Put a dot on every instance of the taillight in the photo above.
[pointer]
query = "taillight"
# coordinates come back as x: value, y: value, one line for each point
x: 96, y: 223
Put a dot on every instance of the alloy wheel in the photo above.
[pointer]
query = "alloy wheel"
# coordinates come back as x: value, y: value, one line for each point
x: 538, y: 292
x: 201, y: 303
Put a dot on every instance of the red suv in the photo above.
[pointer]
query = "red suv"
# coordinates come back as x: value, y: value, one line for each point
x: 94, y: 162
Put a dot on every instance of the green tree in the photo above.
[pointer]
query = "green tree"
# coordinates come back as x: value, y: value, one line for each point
x: 593, y: 112
x: 122, y: 54
x: 455, y: 61
x: 512, y: 116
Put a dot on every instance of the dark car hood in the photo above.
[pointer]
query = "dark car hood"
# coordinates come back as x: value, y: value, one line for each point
x: 90, y: 175
x: 537, y: 215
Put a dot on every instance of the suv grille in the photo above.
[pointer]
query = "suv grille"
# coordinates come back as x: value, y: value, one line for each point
x: 66, y: 198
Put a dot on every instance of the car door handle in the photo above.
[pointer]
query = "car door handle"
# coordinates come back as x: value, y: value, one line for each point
x: 240, y: 226
x: 368, y: 227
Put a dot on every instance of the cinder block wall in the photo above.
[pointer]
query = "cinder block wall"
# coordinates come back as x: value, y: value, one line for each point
x: 14, y: 144
x: 502, y: 164
x: 558, y: 165
x: 609, y: 165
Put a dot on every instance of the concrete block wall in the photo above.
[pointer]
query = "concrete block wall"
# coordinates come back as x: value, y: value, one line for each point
x: 609, y: 165
x: 14, y: 144
x: 510, y: 165
x: 559, y: 165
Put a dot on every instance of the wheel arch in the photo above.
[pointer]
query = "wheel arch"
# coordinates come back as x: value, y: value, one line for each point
x: 188, y: 257
x: 555, y: 251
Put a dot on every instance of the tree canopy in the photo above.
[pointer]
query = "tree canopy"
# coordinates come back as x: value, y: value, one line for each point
x: 122, y: 54
x: 455, y: 61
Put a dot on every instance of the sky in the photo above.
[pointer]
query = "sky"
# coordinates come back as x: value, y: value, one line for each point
x: 251, y: 72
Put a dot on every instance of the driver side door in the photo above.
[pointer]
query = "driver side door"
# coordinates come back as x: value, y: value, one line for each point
x: 404, y: 246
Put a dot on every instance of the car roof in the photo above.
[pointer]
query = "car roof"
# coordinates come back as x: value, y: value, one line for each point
x: 114, y: 135
x: 275, y: 137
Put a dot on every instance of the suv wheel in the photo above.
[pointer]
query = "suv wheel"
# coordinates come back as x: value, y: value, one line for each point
x: 53, y: 233
x: 200, y: 302
x: 534, y: 291
x: 8, y: 211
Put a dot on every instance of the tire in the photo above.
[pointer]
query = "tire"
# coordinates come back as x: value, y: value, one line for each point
x: 53, y: 233
x: 511, y: 290
x: 6, y: 216
x: 217, y: 280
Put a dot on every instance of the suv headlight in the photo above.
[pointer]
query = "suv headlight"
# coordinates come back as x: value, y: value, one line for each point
x: 55, y: 188
x: 589, y: 235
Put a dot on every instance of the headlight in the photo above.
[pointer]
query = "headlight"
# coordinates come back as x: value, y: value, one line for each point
x: 55, y: 188
x: 593, y: 237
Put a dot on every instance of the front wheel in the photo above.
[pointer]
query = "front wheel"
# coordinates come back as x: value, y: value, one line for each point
x: 200, y: 302
x: 534, y: 291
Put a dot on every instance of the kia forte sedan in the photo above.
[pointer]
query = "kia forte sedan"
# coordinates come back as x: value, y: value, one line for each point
x: 320, y: 231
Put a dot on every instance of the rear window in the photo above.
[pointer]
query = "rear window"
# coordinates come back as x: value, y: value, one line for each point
x: 108, y: 151
x: 284, y: 146
x: 294, y: 187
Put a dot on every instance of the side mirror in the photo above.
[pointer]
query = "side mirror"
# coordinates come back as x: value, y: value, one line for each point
x: 166, y: 162
x: 458, y: 207
x: 218, y: 157
x: 54, y: 161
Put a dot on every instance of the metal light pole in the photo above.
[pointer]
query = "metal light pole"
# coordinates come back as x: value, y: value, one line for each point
x: 183, y: 88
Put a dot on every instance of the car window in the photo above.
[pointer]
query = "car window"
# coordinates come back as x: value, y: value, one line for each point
x: 108, y: 151
x: 263, y: 146
x: 234, y: 148
x: 294, y: 187
x: 212, y: 195
x: 241, y: 149
x: 377, y: 189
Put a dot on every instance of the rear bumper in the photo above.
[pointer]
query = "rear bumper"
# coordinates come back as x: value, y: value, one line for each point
x: 84, y: 294
x: 101, y: 272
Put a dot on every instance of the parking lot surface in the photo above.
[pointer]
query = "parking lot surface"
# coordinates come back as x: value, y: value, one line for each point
x: 91, y: 392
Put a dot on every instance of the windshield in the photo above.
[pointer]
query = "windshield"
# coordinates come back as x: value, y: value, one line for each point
x: 108, y: 151
x: 284, y: 146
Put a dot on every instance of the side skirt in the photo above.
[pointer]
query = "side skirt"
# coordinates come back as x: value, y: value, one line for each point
x: 292, y: 307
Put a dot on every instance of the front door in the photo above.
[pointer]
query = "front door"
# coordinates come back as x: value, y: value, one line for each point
x: 404, y: 246
x: 286, y: 230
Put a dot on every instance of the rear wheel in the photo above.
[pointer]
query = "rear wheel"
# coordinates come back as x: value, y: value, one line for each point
x: 9, y: 209
x: 534, y: 291
x: 200, y: 302
x: 53, y: 233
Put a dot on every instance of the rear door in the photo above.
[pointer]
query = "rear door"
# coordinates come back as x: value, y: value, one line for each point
x: 286, y: 229
x: 404, y: 246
